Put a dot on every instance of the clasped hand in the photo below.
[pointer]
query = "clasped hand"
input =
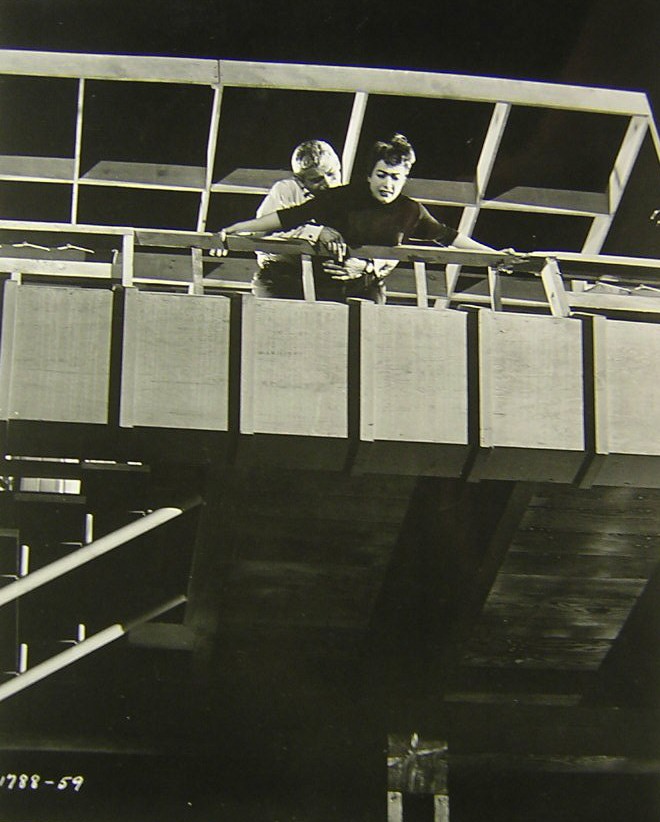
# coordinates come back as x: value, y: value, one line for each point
x: 350, y: 269
x: 338, y: 267
x: 220, y: 250
x: 511, y: 259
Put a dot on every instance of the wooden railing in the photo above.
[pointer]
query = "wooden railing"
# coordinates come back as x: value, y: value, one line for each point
x: 544, y: 392
x: 140, y: 258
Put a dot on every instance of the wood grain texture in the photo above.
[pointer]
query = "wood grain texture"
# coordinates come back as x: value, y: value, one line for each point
x: 569, y: 583
x: 57, y: 362
x: 299, y: 368
x: 176, y: 361
x: 420, y: 375
x: 145, y: 175
x: 531, y: 381
x: 632, y: 386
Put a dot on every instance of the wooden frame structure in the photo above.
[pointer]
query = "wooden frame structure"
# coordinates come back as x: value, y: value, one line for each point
x: 362, y: 83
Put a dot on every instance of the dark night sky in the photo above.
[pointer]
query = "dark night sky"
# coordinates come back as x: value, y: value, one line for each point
x: 589, y: 41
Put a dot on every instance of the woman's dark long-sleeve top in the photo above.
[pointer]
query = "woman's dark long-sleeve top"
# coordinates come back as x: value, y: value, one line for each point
x: 363, y: 220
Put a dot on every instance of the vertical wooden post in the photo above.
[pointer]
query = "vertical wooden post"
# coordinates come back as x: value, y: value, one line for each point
x: 495, y: 288
x: 421, y: 286
x: 127, y: 259
x: 554, y: 289
x: 353, y: 135
x: 196, y: 286
x: 211, y: 146
x: 309, y: 291
x: 485, y: 165
x: 440, y: 807
x: 77, y: 150
x: 394, y: 806
x: 623, y: 166
x: 416, y: 767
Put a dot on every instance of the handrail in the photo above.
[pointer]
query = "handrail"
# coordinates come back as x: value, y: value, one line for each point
x: 578, y: 265
x: 613, y: 269
x: 81, y: 649
x: 101, y: 546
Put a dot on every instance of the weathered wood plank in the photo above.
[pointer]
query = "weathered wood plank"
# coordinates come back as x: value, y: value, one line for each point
x: 530, y: 587
x: 427, y: 84
x: 145, y: 175
x: 299, y: 368
x: 55, y: 358
x: 551, y: 200
x: 558, y: 623
x: 37, y: 169
x: 176, y: 350
x: 420, y: 375
x: 592, y: 522
x: 531, y: 381
x: 109, y: 66
x: 563, y: 543
x: 630, y: 355
x: 579, y: 565
x: 280, y: 594
x: 541, y: 652
x: 603, y: 500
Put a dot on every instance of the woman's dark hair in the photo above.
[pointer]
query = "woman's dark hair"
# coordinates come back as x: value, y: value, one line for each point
x: 395, y: 151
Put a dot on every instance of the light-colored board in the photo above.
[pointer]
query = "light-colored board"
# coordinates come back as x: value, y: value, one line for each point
x: 145, y: 175
x: 628, y: 360
x: 250, y: 180
x: 623, y: 166
x: 298, y: 368
x: 419, y: 375
x: 211, y: 146
x: 37, y: 169
x: 487, y: 155
x: 109, y: 66
x: 56, y: 354
x: 550, y: 200
x: 56, y: 268
x: 427, y: 84
x: 451, y: 192
x: 353, y: 135
x: 175, y: 361
x: 530, y: 381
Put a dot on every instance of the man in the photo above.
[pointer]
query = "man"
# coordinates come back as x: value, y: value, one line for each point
x: 315, y: 167
x: 371, y: 212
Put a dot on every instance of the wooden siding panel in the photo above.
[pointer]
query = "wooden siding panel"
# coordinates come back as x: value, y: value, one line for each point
x: 55, y: 354
x: 531, y: 381
x: 420, y: 375
x: 632, y: 380
x: 298, y: 368
x: 176, y: 361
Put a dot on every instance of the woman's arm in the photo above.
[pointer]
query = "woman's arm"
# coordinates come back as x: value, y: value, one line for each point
x: 264, y: 224
x: 463, y: 241
x: 257, y: 225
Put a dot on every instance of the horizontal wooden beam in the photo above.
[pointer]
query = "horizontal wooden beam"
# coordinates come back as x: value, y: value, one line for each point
x: 428, y: 84
x: 145, y: 175
x: 109, y: 66
x: 55, y: 268
x: 37, y: 169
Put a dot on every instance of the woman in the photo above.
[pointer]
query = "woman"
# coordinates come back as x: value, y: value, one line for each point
x: 364, y: 212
